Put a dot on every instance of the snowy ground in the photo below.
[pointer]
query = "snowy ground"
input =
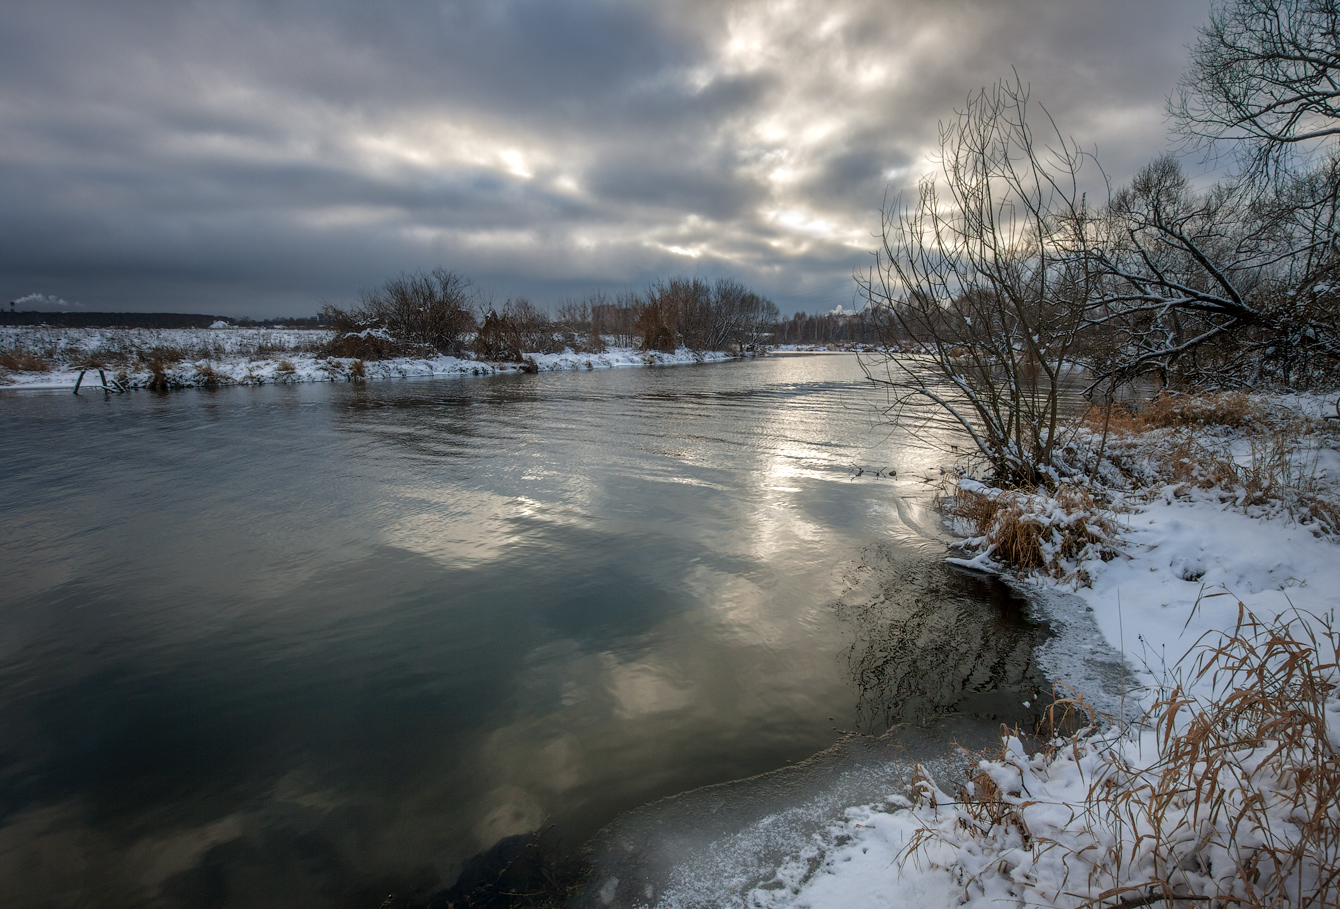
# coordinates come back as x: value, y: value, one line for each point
x: 1190, y: 560
x: 241, y: 356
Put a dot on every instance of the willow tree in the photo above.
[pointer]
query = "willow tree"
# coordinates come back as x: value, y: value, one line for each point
x: 1264, y: 83
x: 982, y: 285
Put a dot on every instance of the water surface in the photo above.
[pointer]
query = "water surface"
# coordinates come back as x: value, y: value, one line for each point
x: 315, y: 644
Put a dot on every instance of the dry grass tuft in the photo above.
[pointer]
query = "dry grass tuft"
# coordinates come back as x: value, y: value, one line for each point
x: 207, y: 376
x: 1032, y: 531
x: 1246, y: 790
x: 1260, y: 459
x: 1172, y: 410
x: 1119, y: 420
x: 162, y: 354
x: 1234, y: 409
x: 24, y: 361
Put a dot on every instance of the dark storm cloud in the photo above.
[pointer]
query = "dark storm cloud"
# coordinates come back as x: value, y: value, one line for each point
x: 257, y: 157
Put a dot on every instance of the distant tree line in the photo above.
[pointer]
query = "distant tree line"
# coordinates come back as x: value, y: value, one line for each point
x: 439, y: 312
x: 827, y: 328
x: 84, y: 319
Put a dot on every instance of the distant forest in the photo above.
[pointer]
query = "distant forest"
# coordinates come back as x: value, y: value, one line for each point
x: 141, y: 320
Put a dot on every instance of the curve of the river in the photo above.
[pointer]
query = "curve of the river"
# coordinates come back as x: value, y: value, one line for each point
x: 311, y: 645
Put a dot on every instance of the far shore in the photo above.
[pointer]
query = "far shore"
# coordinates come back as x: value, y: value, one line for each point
x: 163, y: 359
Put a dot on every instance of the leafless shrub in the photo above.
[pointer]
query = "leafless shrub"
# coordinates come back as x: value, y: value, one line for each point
x: 582, y: 322
x: 411, y: 315
x: 616, y: 320
x: 497, y: 339
x: 979, y: 292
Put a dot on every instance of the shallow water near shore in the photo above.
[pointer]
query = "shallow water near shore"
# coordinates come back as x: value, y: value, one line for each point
x: 313, y: 645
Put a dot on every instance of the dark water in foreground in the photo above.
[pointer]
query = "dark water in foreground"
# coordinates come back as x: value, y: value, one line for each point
x: 312, y: 645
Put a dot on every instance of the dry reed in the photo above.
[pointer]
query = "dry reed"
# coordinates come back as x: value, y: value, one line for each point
x: 1240, y: 807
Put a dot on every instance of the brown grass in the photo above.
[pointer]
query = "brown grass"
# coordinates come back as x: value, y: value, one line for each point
x: 1271, y: 477
x: 1119, y: 419
x: 1241, y: 806
x: 159, y: 380
x: 24, y: 361
x: 164, y: 354
x: 1232, y: 762
x: 1033, y: 531
x: 1173, y: 410
x: 1189, y: 441
x: 1269, y: 722
x: 207, y: 376
x: 1234, y: 409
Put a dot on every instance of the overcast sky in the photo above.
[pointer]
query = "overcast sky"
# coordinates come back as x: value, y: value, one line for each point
x: 257, y: 158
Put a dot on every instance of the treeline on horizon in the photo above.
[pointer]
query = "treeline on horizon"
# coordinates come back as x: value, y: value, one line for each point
x: 439, y: 312
x: 91, y: 319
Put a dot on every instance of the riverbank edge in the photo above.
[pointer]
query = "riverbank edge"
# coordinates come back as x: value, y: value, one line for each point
x: 1192, y: 562
x: 300, y: 368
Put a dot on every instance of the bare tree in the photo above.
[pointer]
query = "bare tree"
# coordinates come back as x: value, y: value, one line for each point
x: 1229, y: 286
x: 740, y: 317
x: 1263, y: 77
x: 411, y: 314
x: 1237, y: 284
x: 690, y: 312
x: 988, y: 279
x: 518, y: 329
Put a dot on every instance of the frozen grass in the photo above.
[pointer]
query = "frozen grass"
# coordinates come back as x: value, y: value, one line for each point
x: 23, y: 361
x: 73, y: 347
x: 1263, y: 457
x: 1236, y: 805
x: 1224, y: 793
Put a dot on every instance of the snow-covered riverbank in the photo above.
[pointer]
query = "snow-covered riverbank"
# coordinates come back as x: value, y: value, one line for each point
x: 1126, y: 816
x: 42, y: 358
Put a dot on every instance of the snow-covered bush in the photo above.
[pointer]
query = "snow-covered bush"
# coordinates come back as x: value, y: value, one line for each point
x: 1033, y: 531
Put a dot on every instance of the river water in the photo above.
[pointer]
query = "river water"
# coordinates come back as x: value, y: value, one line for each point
x: 317, y: 644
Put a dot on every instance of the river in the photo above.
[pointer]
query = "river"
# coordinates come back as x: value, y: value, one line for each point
x: 317, y: 644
